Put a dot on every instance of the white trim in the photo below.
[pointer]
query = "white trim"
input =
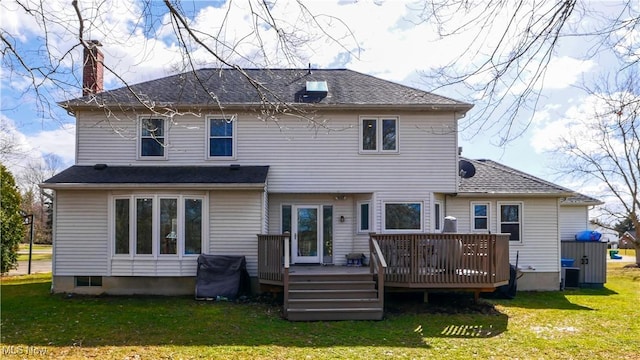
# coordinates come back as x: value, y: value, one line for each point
x: 472, y: 208
x: 319, y: 232
x: 379, y: 134
x: 165, y: 136
x: 384, y: 215
x: 520, y: 205
x: 234, y: 136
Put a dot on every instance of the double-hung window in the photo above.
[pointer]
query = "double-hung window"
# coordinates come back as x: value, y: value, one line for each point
x: 511, y: 220
x: 152, y: 142
x: 403, y: 216
x: 378, y: 134
x: 158, y: 225
x: 480, y: 217
x: 221, y: 138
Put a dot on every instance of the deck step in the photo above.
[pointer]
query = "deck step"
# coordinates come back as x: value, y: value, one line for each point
x: 329, y: 277
x: 331, y: 303
x: 333, y: 296
x: 365, y: 313
x: 328, y: 285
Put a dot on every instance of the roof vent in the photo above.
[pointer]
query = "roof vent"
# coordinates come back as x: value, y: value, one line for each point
x: 234, y: 167
x: 99, y: 166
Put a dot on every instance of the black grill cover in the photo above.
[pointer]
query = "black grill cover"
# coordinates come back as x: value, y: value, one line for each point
x: 221, y: 276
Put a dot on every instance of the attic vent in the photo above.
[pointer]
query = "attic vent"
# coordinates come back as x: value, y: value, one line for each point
x: 317, y: 87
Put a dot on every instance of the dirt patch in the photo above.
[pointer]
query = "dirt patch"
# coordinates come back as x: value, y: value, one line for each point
x: 439, y: 303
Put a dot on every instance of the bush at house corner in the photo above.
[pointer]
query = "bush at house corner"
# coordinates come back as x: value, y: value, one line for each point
x: 11, y: 222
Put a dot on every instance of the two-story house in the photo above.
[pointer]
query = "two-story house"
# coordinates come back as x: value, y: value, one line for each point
x: 166, y: 171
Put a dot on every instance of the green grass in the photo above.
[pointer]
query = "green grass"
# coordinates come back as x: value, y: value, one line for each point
x: 34, y: 257
x: 36, y: 247
x: 39, y: 252
x: 576, y: 324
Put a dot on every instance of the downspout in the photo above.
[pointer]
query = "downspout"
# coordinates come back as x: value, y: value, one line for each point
x: 54, y: 242
x: 558, y: 243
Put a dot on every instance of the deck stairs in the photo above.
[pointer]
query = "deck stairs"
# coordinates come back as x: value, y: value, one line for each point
x: 332, y: 296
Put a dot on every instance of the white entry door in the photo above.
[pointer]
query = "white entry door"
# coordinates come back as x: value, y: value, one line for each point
x: 305, y: 245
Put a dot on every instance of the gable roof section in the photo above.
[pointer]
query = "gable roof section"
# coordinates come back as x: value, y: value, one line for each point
x: 231, y: 87
x: 149, y: 176
x: 493, y: 178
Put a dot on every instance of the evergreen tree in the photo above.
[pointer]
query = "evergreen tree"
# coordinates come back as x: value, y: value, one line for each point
x: 12, y: 229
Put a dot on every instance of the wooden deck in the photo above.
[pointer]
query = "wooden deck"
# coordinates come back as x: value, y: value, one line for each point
x: 472, y: 262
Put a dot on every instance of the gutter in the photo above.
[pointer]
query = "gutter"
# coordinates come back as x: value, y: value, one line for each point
x: 108, y: 186
x: 71, y: 107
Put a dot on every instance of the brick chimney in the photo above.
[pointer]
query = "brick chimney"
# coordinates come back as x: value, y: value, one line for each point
x: 92, y: 69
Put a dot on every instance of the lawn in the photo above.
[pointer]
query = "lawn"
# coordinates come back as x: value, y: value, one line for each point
x: 36, y: 247
x: 575, y: 324
x: 39, y: 252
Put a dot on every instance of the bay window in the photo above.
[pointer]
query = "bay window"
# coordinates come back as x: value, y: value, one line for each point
x: 157, y: 225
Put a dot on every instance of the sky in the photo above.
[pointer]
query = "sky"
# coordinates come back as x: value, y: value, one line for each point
x: 387, y: 39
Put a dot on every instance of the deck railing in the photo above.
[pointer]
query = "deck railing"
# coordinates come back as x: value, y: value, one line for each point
x: 445, y: 260
x: 427, y: 261
x: 378, y: 266
x: 273, y: 255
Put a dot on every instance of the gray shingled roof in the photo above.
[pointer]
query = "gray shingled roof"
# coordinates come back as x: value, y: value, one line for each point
x: 160, y: 175
x: 231, y: 87
x: 496, y: 179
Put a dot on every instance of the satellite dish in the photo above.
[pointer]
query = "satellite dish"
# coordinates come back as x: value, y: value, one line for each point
x: 466, y: 169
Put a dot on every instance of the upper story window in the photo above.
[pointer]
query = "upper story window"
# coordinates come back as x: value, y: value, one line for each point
x: 378, y: 135
x: 511, y: 220
x: 221, y: 138
x: 403, y: 216
x: 152, y: 138
x: 480, y: 217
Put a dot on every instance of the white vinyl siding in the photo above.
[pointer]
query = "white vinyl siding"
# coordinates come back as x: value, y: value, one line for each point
x: 573, y: 219
x: 236, y: 219
x: 302, y: 159
x: 540, y: 247
x: 81, y: 243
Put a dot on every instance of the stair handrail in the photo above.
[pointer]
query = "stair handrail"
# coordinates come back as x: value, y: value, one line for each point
x: 377, y: 265
x: 285, y: 272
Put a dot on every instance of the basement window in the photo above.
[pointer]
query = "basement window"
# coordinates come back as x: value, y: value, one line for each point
x: 84, y: 281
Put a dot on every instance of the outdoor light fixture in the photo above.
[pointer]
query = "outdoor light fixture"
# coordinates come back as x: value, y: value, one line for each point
x: 341, y: 218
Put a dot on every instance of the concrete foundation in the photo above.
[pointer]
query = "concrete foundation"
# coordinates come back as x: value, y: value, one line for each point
x: 132, y: 285
x: 539, y: 281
